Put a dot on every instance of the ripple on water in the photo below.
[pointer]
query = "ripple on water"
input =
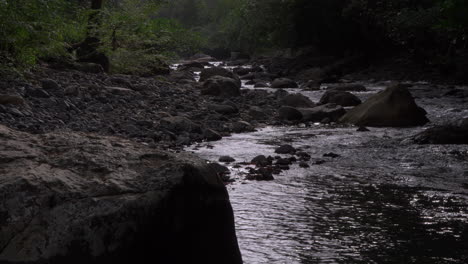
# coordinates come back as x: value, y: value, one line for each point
x: 381, y: 201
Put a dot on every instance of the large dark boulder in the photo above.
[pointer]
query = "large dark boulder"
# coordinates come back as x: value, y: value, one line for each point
x: 297, y: 100
x: 331, y: 112
x: 445, y: 134
x: 394, y: 107
x: 340, y: 98
x: 289, y: 113
x: 180, y: 124
x: 284, y: 83
x: 78, y: 198
x: 218, y: 71
x: 221, y: 86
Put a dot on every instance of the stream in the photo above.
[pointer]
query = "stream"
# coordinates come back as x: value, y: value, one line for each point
x: 382, y: 200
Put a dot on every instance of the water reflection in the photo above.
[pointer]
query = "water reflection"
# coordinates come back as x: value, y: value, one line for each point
x: 381, y: 201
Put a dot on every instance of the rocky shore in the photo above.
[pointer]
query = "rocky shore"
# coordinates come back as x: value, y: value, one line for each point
x: 92, y: 168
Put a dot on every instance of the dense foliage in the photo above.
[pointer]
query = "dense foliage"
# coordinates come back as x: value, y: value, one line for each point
x: 136, y: 33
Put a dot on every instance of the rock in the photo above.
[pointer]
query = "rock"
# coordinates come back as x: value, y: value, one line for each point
x: 347, y: 87
x: 211, y: 135
x: 179, y: 124
x: 260, y: 161
x: 49, y: 84
x: 257, y: 113
x: 78, y: 198
x: 200, y: 57
x: 182, y: 75
x: 311, y: 86
x: 260, y: 85
x: 265, y: 174
x: 285, y: 149
x: 38, y: 93
x: 241, y: 70
x: 289, y: 113
x: 221, y: 86
x: 340, y: 98
x: 218, y: 71
x: 284, y: 83
x: 297, y: 100
x: 394, y: 107
x: 444, y: 134
x: 6, y: 99
x: 331, y: 155
x: 362, y: 129
x: 241, y: 127
x: 303, y: 164
x: 332, y: 112
x: 223, y: 109
x: 191, y: 64
x: 281, y: 93
x: 283, y: 161
x: 226, y: 159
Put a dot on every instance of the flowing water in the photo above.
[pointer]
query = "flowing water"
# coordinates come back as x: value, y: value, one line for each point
x: 383, y: 200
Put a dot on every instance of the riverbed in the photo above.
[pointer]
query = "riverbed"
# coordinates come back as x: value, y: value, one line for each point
x: 381, y: 200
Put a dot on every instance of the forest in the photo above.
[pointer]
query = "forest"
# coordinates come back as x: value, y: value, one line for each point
x: 134, y: 33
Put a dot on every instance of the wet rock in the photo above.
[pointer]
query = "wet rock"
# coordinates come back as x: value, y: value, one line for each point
x: 221, y: 86
x: 281, y: 93
x: 6, y: 99
x: 283, y: 161
x: 331, y: 155
x: 211, y: 135
x: 332, y: 112
x: 362, y: 129
x: 208, y: 73
x: 297, y: 100
x: 241, y: 71
x: 311, y: 86
x: 394, y: 107
x: 289, y: 113
x: 223, y: 109
x: 261, y: 85
x: 265, y: 174
x: 445, y: 134
x: 347, y: 87
x: 303, y: 164
x: 182, y: 75
x: 342, y: 98
x: 111, y: 201
x: 284, y: 83
x: 285, y: 149
x: 192, y: 64
x: 261, y: 161
x: 226, y: 159
x: 242, y: 127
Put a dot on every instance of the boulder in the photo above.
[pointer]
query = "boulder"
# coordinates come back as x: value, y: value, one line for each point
x: 49, y: 84
x: 226, y: 159
x: 394, y: 107
x: 330, y: 112
x: 261, y: 161
x: 260, y: 85
x: 342, y: 98
x: 218, y: 71
x: 297, y: 100
x: 444, y: 134
x: 257, y: 113
x: 221, y: 86
x: 285, y: 149
x: 289, y: 113
x: 78, y: 198
x: 284, y: 83
x: 241, y: 127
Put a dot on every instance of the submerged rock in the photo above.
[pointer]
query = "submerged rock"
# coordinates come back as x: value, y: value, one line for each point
x: 79, y: 198
x: 394, y: 107
x: 285, y: 149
